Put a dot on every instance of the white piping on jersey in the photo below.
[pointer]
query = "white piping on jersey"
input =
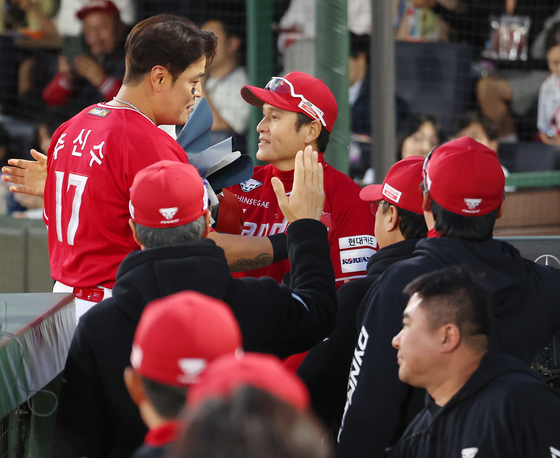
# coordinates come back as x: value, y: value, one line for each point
x: 110, y: 107
x: 295, y: 296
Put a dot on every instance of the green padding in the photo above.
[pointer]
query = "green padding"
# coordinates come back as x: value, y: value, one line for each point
x: 534, y: 179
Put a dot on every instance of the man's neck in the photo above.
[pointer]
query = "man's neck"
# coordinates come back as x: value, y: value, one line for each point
x: 454, y: 376
x: 137, y: 96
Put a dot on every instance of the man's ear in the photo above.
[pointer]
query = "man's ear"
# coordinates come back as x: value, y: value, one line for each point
x: 133, y: 382
x: 427, y: 209
x: 501, y: 208
x: 207, y: 219
x: 313, y: 131
x: 450, y: 337
x: 393, y: 220
x: 234, y: 43
x: 132, y: 225
x: 158, y: 76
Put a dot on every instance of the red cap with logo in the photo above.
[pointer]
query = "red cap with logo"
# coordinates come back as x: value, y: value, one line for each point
x: 91, y: 6
x: 177, y: 337
x: 464, y: 177
x: 401, y: 186
x: 298, y: 92
x: 167, y: 194
x: 229, y: 372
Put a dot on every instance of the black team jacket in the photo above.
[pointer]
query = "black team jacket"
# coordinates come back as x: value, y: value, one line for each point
x: 96, y: 417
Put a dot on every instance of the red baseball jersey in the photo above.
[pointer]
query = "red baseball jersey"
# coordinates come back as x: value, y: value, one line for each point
x: 92, y: 161
x: 347, y: 217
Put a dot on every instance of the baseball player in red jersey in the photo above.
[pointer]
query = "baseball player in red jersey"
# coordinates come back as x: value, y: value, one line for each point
x: 299, y: 110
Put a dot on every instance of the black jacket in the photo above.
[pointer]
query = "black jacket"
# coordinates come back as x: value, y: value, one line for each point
x: 526, y: 315
x: 504, y: 410
x: 96, y: 417
x: 325, y: 368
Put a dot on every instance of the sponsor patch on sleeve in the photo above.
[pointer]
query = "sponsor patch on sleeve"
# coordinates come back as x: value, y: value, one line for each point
x: 357, y: 241
x: 98, y: 111
x: 355, y: 260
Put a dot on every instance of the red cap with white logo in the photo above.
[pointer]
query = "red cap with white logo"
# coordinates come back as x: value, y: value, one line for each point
x: 401, y: 186
x: 298, y: 92
x: 178, y: 336
x: 464, y: 177
x: 229, y: 372
x: 167, y: 194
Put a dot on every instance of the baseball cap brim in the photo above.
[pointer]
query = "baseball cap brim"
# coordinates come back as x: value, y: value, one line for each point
x: 372, y: 192
x: 258, y: 97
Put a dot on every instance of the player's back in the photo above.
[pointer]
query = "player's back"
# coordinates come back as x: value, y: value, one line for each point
x: 91, y: 164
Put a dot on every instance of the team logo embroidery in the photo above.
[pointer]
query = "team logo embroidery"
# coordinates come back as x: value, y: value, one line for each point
x: 191, y: 367
x: 469, y: 452
x: 168, y: 213
x: 250, y: 185
x: 473, y: 203
x: 101, y: 112
x: 555, y: 452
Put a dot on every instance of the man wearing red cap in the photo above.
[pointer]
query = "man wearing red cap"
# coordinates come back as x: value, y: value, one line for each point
x: 299, y: 110
x: 94, y: 76
x: 463, y: 195
x: 171, y: 221
x: 399, y: 224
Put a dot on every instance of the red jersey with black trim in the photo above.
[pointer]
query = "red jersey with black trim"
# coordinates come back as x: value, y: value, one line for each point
x: 348, y: 218
x: 92, y: 161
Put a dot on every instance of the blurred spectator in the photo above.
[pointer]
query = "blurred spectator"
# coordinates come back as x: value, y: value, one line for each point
x: 95, y: 75
x: 251, y: 424
x: 419, y: 136
x: 475, y: 125
x: 359, y: 98
x: 225, y: 77
x: 415, y: 21
x: 5, y: 147
x: 296, y: 40
x: 548, y: 121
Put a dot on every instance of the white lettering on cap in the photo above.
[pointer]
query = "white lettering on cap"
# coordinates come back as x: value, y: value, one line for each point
x: 191, y: 367
x: 391, y: 193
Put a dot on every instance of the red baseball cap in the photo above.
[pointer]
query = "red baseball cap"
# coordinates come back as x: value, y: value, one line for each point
x: 97, y: 5
x: 298, y: 92
x: 464, y: 177
x: 229, y: 372
x: 177, y: 337
x: 167, y: 194
x: 401, y: 186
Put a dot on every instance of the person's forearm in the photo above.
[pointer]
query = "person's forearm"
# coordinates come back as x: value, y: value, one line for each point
x: 244, y: 253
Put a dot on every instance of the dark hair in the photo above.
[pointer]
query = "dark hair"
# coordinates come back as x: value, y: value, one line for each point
x: 411, y: 125
x: 552, y: 37
x: 469, y: 117
x: 171, y: 41
x: 412, y: 225
x: 456, y: 294
x: 167, y: 400
x: 155, y: 237
x: 359, y: 44
x: 324, y: 135
x: 250, y: 424
x: 469, y: 228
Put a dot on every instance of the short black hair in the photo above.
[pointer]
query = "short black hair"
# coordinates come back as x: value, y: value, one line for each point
x: 469, y: 117
x: 552, y: 37
x: 457, y: 295
x: 468, y: 228
x: 412, y: 225
x: 167, y: 400
x: 411, y: 124
x: 324, y: 135
x: 171, y: 41
x: 359, y: 44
